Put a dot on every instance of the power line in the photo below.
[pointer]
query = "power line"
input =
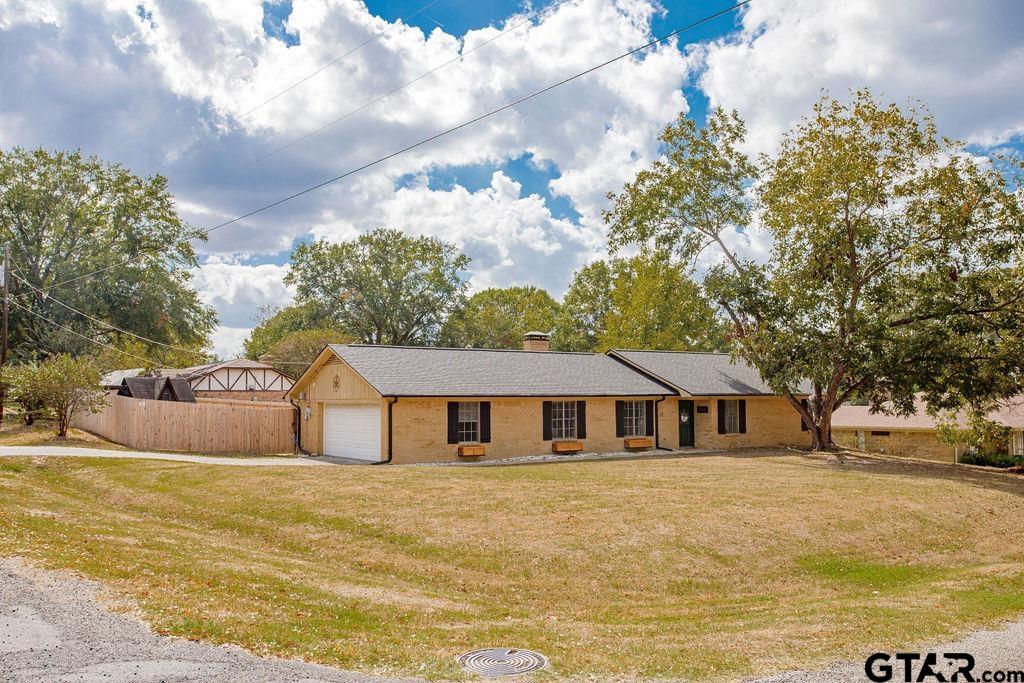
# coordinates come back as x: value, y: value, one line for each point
x: 370, y: 103
x: 215, y: 132
x: 78, y: 334
x: 448, y: 131
x: 131, y: 334
x: 108, y: 325
x: 476, y: 119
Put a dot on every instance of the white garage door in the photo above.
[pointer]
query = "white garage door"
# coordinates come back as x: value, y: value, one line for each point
x: 352, y: 432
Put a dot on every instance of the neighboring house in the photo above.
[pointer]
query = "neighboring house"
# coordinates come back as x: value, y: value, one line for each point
x: 421, y: 404
x: 157, y: 389
x: 240, y: 379
x: 857, y: 427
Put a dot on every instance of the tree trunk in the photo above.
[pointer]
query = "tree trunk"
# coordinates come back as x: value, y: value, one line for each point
x: 62, y: 424
x: 820, y: 438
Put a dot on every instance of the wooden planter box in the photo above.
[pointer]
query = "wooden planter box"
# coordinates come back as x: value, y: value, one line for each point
x: 474, y: 451
x: 638, y: 442
x: 566, y: 447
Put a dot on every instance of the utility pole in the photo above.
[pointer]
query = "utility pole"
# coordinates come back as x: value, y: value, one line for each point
x: 3, y: 332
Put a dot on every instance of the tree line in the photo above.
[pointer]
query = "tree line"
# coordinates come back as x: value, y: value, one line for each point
x: 896, y: 267
x: 385, y: 287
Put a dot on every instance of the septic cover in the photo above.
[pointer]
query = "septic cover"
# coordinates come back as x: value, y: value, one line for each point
x: 502, y: 661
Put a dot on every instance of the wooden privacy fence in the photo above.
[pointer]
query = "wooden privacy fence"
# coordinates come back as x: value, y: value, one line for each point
x: 208, y: 426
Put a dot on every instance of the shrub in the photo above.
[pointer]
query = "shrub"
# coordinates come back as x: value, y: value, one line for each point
x: 992, y: 459
x: 62, y: 384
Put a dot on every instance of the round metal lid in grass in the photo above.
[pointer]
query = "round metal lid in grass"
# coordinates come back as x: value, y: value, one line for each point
x: 501, y: 661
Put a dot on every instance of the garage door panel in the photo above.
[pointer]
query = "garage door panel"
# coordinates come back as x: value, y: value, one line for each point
x: 352, y: 431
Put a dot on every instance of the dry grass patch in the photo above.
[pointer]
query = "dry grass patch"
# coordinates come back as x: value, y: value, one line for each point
x: 704, y: 568
x: 44, y: 433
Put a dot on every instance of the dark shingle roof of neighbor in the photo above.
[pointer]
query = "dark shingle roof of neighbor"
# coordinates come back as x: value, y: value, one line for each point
x: 142, y: 387
x: 701, y: 374
x: 424, y: 371
x: 182, y: 389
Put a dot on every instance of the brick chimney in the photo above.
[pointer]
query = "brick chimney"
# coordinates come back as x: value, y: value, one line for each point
x: 537, y: 341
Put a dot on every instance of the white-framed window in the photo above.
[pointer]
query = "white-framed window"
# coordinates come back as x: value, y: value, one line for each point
x: 469, y: 421
x: 634, y: 418
x: 563, y: 419
x: 731, y: 416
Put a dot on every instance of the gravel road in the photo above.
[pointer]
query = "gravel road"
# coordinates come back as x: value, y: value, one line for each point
x: 999, y: 649
x: 53, y: 629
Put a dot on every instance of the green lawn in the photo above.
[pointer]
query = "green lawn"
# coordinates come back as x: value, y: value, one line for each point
x: 709, y: 567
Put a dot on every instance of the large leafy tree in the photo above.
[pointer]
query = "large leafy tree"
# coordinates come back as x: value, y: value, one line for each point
x: 585, y: 306
x: 383, y: 287
x: 497, y: 318
x: 656, y: 305
x: 275, y: 323
x: 647, y: 301
x: 94, y: 237
x: 293, y: 353
x: 896, y: 259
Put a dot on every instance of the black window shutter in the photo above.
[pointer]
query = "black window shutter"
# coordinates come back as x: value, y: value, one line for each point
x: 485, y: 421
x: 620, y: 418
x: 803, y: 422
x: 649, y: 411
x: 743, y: 416
x: 581, y: 419
x: 453, y: 421
x: 547, y: 420
x: 721, y: 416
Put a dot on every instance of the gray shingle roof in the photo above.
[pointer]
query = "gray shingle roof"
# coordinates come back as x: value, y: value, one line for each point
x: 701, y: 374
x: 141, y: 387
x: 419, y: 371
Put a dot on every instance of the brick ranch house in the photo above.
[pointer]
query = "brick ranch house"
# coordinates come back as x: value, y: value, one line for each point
x: 422, y: 404
x: 917, y: 435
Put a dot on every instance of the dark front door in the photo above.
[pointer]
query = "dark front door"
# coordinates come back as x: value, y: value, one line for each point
x: 686, y: 423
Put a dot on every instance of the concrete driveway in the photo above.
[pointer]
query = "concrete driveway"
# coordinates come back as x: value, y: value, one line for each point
x: 241, y: 461
x: 52, y: 629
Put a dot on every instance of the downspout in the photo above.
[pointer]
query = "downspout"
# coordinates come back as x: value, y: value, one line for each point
x: 391, y: 432
x: 657, y: 427
x: 298, y: 427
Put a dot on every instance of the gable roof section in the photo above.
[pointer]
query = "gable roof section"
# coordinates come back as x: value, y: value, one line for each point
x: 198, y: 371
x: 699, y: 373
x: 140, y: 387
x: 427, y: 371
x: 181, y: 389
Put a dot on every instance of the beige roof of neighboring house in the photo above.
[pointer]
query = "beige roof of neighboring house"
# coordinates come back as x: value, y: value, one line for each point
x: 1010, y: 413
x: 199, y: 370
x: 114, y: 378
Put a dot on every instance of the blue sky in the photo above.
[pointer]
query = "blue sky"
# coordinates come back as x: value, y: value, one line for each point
x: 521, y: 193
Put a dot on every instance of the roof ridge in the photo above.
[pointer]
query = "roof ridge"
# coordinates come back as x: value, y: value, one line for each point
x: 691, y: 353
x: 465, y: 348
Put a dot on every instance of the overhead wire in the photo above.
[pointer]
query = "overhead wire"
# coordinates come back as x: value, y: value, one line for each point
x: 217, y: 132
x: 380, y: 98
x: 448, y: 131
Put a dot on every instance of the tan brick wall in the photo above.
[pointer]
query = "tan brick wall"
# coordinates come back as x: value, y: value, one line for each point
x: 771, y: 421
x: 916, y: 444
x: 421, y: 428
